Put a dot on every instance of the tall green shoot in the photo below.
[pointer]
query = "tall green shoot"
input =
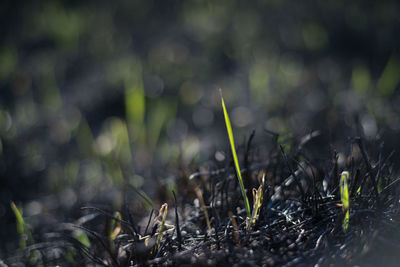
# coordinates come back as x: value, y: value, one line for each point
x: 344, y: 196
x: 22, y: 228
x: 235, y: 159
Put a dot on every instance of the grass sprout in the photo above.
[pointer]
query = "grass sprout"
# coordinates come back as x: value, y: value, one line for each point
x: 115, y: 228
x: 235, y: 227
x: 344, y: 196
x: 380, y: 186
x: 22, y: 227
x: 235, y: 159
x: 82, y: 237
x: 358, y: 190
x: 163, y: 214
x: 203, y: 206
x: 257, y: 203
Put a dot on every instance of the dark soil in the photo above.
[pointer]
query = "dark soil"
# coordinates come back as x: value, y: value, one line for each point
x: 296, y: 227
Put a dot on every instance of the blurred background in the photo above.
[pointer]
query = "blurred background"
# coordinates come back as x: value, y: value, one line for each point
x: 95, y: 95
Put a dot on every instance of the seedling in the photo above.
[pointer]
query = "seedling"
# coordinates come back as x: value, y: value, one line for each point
x: 203, y: 206
x: 257, y: 202
x: 380, y: 185
x: 82, y: 237
x: 163, y: 215
x: 235, y: 227
x: 22, y: 228
x: 235, y: 159
x: 344, y: 196
x: 115, y: 227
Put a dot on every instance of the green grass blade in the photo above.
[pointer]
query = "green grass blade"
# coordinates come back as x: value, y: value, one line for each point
x: 82, y: 237
x: 135, y: 106
x: 380, y: 185
x: 344, y: 196
x: 20, y: 225
x: 358, y: 190
x: 235, y: 159
x: 163, y: 214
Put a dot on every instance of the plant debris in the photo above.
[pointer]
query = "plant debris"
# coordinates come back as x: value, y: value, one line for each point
x: 291, y: 227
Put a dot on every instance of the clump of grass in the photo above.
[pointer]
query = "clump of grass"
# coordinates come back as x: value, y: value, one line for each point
x: 235, y: 159
x: 344, y: 196
x: 257, y: 203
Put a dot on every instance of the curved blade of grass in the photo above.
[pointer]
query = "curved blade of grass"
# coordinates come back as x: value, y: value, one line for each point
x: 20, y: 225
x: 344, y: 196
x: 235, y: 159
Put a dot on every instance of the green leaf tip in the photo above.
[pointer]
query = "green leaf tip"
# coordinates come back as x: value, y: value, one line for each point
x: 234, y: 155
x: 344, y: 196
x: 20, y: 225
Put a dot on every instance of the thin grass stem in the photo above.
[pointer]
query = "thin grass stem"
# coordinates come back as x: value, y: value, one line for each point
x: 235, y: 158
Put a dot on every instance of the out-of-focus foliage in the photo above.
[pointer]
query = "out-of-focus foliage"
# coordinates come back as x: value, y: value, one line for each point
x: 97, y: 94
